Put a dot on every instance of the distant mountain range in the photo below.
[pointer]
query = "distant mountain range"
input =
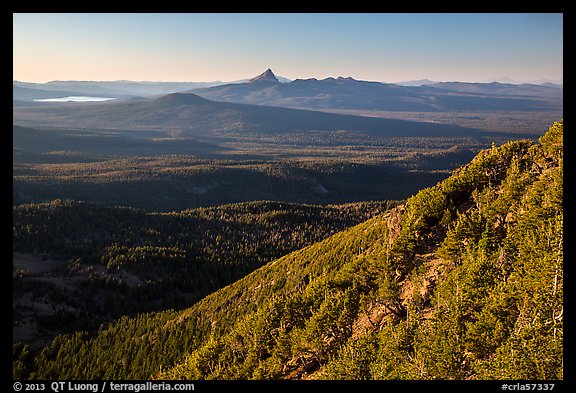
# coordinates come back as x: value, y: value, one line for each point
x: 328, y: 93
x: 502, y: 89
x: 419, y: 82
x: 263, y: 104
x: 113, y: 89
x: 543, y: 81
x: 349, y: 93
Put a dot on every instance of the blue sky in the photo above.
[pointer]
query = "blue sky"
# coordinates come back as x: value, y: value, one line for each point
x: 208, y: 47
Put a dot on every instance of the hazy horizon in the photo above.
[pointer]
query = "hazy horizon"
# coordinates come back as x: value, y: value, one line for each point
x: 504, y: 79
x: 231, y: 47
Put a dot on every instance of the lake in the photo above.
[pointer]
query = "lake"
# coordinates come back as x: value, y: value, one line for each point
x: 75, y: 99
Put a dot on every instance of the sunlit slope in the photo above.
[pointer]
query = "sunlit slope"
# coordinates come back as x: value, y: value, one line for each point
x: 464, y: 281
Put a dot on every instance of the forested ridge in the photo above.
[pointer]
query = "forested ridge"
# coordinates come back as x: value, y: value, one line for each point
x: 463, y: 281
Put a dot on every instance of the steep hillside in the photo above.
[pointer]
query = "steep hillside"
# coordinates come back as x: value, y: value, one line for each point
x: 463, y: 281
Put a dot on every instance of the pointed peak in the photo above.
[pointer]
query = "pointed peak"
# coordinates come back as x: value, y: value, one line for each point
x: 266, y: 76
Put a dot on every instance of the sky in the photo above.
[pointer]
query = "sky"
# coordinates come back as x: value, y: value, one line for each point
x: 229, y: 47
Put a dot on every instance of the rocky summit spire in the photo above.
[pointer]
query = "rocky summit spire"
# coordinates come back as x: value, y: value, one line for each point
x: 266, y: 76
